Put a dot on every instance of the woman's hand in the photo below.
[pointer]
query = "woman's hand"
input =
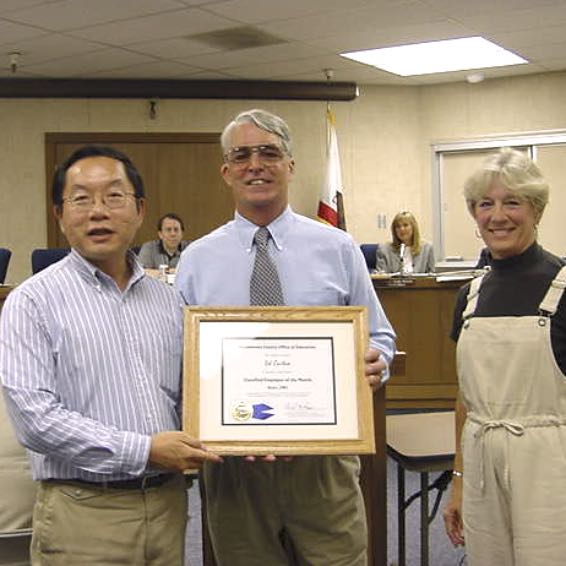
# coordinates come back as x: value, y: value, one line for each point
x: 453, y: 514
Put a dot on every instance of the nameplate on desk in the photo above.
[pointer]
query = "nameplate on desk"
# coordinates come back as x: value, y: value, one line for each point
x: 396, y: 279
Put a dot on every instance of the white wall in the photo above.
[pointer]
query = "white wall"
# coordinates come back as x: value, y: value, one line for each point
x: 384, y: 137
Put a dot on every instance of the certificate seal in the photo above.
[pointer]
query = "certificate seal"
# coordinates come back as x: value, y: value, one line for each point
x: 242, y: 411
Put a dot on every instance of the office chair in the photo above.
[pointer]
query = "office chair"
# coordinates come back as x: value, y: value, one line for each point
x: 17, y: 495
x: 44, y: 257
x: 369, y: 251
x: 5, y: 255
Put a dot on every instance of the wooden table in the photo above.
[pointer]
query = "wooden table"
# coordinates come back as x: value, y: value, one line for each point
x: 423, y: 443
x: 420, y: 310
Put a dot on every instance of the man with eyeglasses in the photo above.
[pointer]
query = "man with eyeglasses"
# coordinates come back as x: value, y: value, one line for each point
x: 280, y: 511
x: 90, y: 362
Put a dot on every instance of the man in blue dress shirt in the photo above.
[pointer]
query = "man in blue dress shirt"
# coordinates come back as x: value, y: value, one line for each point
x: 306, y: 509
x: 90, y: 362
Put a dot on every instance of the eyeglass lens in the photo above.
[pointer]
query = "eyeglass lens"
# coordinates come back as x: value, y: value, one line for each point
x: 267, y: 153
x: 112, y: 199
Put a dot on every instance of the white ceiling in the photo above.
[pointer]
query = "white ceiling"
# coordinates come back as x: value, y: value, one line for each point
x: 152, y: 39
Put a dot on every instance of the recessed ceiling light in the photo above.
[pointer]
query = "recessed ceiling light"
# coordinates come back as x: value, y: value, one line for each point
x: 437, y: 56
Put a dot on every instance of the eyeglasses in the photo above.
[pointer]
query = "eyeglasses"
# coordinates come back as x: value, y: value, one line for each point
x: 82, y: 201
x: 266, y: 153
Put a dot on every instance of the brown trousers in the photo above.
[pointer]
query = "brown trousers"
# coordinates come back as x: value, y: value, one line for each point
x: 93, y: 526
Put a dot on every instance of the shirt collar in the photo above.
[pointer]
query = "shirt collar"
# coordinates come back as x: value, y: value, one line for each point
x: 95, y: 276
x: 165, y: 252
x: 519, y: 262
x: 278, y: 228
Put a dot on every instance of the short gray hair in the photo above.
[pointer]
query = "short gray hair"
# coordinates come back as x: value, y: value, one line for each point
x: 516, y: 171
x: 265, y: 121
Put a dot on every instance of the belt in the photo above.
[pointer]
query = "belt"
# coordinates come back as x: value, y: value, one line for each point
x: 515, y: 426
x: 144, y: 482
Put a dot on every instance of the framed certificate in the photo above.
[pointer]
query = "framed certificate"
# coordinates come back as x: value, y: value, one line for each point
x: 278, y: 380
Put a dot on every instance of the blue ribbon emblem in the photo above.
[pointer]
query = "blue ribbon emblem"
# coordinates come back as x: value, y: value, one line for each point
x: 261, y: 411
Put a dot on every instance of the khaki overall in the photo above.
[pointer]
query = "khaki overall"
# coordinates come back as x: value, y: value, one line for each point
x: 514, y: 439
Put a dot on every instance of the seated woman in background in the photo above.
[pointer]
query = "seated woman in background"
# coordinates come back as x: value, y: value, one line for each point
x: 406, y: 253
x: 167, y: 250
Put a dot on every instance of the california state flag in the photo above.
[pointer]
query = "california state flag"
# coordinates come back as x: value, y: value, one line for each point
x: 331, y: 205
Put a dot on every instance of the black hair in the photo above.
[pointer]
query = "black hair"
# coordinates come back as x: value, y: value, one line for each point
x: 173, y: 216
x: 60, y: 175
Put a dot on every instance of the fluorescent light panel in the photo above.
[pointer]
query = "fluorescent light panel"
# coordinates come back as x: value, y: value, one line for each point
x: 437, y: 56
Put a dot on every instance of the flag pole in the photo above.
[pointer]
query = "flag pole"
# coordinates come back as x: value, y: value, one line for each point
x: 331, y: 207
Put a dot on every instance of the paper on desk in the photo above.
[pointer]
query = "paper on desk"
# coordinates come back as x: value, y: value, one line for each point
x: 463, y: 275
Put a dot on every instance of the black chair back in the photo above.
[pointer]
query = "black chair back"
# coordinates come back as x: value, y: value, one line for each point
x: 44, y: 257
x: 5, y: 255
x: 369, y: 251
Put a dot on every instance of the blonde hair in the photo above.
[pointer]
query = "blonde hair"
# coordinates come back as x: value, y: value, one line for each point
x: 516, y: 171
x: 406, y: 216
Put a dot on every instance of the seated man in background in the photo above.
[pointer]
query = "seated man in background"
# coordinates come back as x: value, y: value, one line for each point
x: 90, y: 363
x: 167, y: 249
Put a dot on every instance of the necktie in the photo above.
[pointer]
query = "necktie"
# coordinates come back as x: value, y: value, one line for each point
x: 265, y: 287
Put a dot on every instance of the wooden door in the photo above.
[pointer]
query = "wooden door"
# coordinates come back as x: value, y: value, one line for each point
x: 181, y: 174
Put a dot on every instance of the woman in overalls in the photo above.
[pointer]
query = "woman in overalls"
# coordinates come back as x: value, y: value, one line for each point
x: 508, y: 500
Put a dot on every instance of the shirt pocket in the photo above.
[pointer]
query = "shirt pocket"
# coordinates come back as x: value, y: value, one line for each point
x: 319, y: 297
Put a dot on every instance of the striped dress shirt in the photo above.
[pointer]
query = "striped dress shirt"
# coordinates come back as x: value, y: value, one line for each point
x: 90, y: 372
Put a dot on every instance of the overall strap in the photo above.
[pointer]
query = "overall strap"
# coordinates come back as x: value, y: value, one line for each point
x: 550, y: 302
x: 473, y: 297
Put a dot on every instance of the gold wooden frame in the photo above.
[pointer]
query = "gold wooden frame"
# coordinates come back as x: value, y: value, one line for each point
x: 332, y: 320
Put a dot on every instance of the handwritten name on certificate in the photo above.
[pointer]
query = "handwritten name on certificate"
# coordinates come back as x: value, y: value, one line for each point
x: 278, y: 381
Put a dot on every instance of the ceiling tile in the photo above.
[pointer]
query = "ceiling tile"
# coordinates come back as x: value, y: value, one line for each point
x: 394, y: 35
x: 162, y: 69
x: 257, y: 11
x: 7, y: 6
x: 270, y: 54
x: 363, y: 20
x: 533, y: 18
x: 541, y: 52
x: 175, y: 48
x: 52, y: 46
x: 89, y: 63
x: 458, y: 8
x: 528, y: 37
x: 161, y: 26
x: 72, y: 14
x: 152, y: 38
x: 11, y: 33
x: 254, y: 70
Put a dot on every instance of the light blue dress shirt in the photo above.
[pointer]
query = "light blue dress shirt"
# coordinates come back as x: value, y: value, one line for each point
x: 90, y: 372
x: 318, y: 265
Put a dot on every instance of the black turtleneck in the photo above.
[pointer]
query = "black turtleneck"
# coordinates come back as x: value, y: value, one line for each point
x: 515, y: 286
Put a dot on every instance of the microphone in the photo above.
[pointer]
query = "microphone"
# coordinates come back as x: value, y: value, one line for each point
x: 401, y: 257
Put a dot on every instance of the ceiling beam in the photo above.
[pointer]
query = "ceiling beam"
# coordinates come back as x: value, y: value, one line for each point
x: 222, y: 89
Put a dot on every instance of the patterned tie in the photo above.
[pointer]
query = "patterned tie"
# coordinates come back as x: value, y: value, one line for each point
x: 265, y: 287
